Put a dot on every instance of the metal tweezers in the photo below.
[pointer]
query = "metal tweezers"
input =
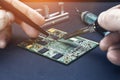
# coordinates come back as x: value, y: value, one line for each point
x: 21, y: 16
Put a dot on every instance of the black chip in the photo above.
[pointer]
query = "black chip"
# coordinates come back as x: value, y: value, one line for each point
x: 57, y: 32
x: 55, y: 37
x: 57, y: 56
x: 42, y: 42
x: 43, y: 50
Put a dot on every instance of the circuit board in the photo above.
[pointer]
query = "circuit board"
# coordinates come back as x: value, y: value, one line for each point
x: 60, y: 50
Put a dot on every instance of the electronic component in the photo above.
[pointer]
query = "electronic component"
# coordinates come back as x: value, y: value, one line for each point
x: 46, y: 11
x: 61, y: 50
x: 61, y: 7
x: 43, y: 50
x: 88, y: 17
x: 57, y: 56
x: 91, y: 20
x: 79, y: 32
x: 56, y: 17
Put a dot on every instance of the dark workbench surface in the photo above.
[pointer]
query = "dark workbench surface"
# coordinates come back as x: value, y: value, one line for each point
x: 19, y: 64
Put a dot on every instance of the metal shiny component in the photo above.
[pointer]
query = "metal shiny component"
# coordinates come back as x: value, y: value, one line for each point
x: 56, y: 17
x: 79, y: 32
x: 61, y: 4
x: 46, y: 8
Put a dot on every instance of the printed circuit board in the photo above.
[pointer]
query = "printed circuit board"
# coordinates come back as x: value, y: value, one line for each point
x: 58, y: 49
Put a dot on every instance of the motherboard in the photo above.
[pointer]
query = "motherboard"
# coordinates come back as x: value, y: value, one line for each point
x: 58, y: 49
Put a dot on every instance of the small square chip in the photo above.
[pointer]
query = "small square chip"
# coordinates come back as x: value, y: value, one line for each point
x: 54, y: 37
x: 42, y: 42
x: 57, y: 56
x: 43, y: 50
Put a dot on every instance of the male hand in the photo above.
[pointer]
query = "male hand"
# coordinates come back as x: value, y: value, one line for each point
x: 110, y: 20
x: 7, y: 18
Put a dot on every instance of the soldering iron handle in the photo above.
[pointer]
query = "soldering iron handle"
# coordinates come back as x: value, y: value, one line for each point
x: 99, y: 29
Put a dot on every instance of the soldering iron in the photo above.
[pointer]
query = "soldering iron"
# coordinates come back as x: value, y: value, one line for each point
x: 92, y: 25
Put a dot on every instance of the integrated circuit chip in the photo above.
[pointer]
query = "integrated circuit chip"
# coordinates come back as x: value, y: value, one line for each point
x: 57, y: 56
x: 60, y: 50
x: 43, y: 50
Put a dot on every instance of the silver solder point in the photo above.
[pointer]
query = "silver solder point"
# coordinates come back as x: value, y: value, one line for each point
x: 61, y: 4
x: 77, y: 10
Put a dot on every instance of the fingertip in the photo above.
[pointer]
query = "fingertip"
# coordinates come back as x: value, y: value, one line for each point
x: 114, y: 56
x: 101, y: 19
x: 109, y: 40
x: 3, y: 19
x: 5, y: 37
x: 30, y: 31
x: 104, y: 20
x: 110, y: 19
x: 11, y: 17
x: 3, y: 44
x: 35, y: 17
x: 103, y: 45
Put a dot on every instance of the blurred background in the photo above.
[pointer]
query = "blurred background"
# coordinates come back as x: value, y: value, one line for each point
x: 72, y: 0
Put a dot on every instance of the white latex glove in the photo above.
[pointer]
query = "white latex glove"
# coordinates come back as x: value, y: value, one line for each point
x: 110, y: 20
x: 6, y: 19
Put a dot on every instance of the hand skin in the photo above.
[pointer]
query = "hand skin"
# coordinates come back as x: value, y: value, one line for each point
x: 7, y: 18
x: 110, y: 20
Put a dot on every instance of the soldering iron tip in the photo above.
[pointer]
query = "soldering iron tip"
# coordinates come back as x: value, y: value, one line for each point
x: 77, y: 10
